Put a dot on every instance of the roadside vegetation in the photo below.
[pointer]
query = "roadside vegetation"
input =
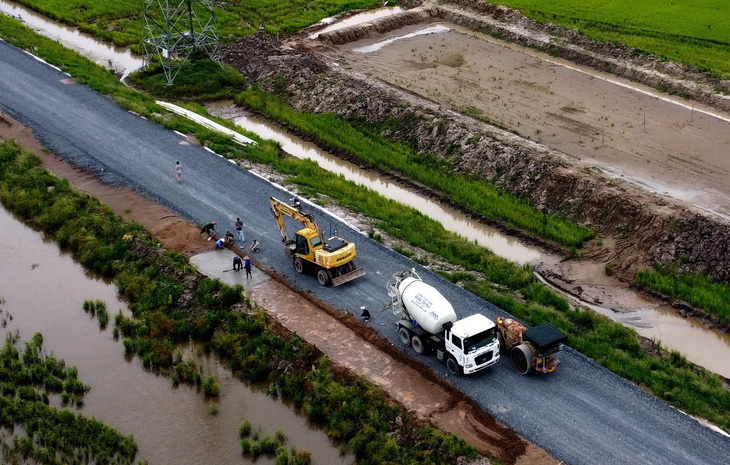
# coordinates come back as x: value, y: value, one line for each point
x: 121, y: 22
x: 474, y: 194
x: 696, y: 289
x: 42, y: 434
x: 686, y: 31
x: 172, y: 303
x: 513, y: 288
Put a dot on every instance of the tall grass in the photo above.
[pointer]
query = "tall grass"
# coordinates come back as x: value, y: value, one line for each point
x: 696, y: 289
x: 474, y: 194
x: 687, y: 31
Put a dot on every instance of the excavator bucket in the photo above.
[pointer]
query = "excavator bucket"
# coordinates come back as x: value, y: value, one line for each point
x: 347, y: 277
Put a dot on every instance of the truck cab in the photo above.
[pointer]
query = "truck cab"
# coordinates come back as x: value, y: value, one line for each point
x: 473, y: 343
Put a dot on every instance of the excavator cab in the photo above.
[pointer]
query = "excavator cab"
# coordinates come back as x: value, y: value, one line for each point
x: 332, y: 260
x: 306, y: 242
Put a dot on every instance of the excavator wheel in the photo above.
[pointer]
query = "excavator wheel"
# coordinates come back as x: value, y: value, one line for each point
x: 299, y: 265
x: 522, y: 358
x: 324, y: 277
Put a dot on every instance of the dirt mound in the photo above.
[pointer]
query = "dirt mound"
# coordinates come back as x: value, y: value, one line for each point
x: 379, y: 26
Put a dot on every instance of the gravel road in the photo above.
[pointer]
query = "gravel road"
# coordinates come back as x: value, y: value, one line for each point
x: 582, y: 414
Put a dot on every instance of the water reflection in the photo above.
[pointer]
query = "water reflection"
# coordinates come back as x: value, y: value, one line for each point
x: 121, y: 60
x: 356, y: 19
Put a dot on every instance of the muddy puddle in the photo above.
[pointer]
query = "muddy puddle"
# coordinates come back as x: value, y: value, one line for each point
x: 120, y: 59
x: 44, y: 289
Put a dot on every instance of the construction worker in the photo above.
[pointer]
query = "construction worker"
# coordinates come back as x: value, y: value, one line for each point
x: 208, y: 228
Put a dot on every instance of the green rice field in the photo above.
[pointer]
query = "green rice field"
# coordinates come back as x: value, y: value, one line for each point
x: 695, y: 32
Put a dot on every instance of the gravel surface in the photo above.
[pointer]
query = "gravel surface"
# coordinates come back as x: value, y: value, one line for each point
x: 582, y: 414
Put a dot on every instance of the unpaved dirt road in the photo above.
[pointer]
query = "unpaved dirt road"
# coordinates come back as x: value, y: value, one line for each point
x: 580, y: 414
x: 654, y: 140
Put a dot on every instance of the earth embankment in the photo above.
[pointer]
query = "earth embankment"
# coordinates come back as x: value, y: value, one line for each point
x: 647, y: 228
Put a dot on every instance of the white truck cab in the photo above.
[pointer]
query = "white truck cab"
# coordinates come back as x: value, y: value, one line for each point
x: 473, y: 342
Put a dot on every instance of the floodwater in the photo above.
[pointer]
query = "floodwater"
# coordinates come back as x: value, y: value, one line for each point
x: 44, y: 289
x: 120, y: 59
x: 704, y: 347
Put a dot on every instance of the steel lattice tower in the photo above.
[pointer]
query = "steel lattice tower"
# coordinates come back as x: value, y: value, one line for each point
x: 174, y: 29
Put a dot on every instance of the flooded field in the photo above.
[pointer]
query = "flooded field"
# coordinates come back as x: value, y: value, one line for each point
x: 44, y: 289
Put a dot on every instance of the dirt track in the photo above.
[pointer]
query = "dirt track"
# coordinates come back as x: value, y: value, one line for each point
x: 358, y: 348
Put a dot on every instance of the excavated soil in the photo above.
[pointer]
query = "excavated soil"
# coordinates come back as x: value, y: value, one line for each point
x: 358, y: 351
x: 323, y: 76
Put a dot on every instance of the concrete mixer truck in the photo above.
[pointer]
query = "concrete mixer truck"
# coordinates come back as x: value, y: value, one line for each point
x: 428, y: 323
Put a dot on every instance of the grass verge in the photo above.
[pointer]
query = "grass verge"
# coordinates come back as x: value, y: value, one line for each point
x: 476, y: 195
x: 172, y: 303
x: 698, y: 290
x: 121, y: 21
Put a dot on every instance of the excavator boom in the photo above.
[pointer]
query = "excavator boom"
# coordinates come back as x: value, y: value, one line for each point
x: 280, y: 209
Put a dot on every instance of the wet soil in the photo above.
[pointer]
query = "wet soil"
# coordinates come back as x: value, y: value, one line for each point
x: 356, y: 349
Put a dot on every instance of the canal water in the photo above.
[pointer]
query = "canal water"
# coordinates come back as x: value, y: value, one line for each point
x: 44, y: 290
x: 705, y: 347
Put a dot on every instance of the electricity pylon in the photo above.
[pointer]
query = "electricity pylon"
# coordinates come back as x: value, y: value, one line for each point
x: 174, y: 29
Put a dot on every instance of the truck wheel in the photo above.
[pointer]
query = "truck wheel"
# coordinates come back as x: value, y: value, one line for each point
x: 522, y: 358
x: 404, y: 336
x: 502, y: 344
x: 299, y: 265
x: 452, y: 366
x: 417, y: 345
x: 348, y: 267
x: 324, y: 277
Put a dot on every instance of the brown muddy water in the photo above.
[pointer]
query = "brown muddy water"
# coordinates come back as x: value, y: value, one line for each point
x: 708, y: 348
x: 44, y: 289
x: 120, y: 59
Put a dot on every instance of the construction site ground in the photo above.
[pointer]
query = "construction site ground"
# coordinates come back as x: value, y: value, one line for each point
x: 348, y: 344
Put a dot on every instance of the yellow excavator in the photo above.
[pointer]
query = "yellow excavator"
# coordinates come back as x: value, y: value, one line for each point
x: 331, y: 260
